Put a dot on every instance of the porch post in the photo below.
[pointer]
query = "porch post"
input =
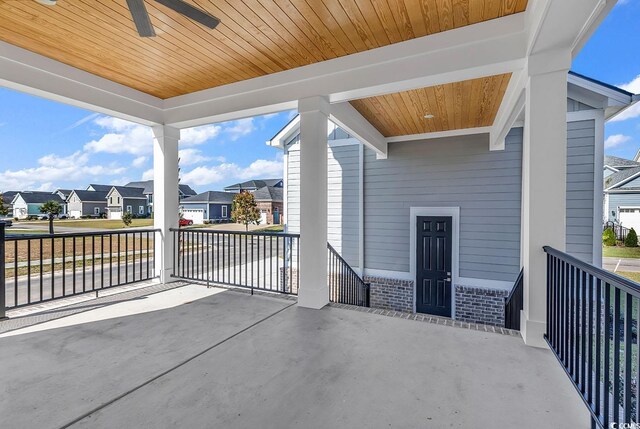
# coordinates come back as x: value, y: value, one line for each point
x: 165, y: 197
x: 543, y: 183
x: 314, y: 288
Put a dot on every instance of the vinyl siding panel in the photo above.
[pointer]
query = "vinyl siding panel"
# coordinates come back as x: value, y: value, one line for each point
x: 580, y: 183
x: 342, y: 197
x: 457, y: 172
x: 628, y: 199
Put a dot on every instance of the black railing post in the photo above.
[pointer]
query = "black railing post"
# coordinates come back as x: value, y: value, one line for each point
x: 3, y: 284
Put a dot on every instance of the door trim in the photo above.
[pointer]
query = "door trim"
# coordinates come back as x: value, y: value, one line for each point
x: 454, y: 213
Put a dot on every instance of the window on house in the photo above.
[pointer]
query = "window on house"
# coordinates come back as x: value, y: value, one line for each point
x: 96, y: 210
x: 118, y: 200
x: 141, y: 210
x: 129, y: 209
x: 224, y: 211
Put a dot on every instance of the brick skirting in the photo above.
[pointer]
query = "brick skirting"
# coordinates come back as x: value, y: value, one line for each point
x: 480, y: 305
x: 391, y: 294
x: 472, y: 304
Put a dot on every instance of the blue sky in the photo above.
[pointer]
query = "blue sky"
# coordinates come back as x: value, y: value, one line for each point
x: 611, y: 55
x: 53, y: 145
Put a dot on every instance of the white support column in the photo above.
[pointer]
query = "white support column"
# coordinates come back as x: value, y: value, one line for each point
x: 314, y: 288
x: 165, y: 197
x: 544, y: 183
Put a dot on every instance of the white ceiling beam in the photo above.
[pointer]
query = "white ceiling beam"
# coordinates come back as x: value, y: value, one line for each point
x: 510, y: 109
x: 439, y: 134
x: 484, y: 49
x: 349, y: 119
x: 35, y: 74
x: 563, y: 25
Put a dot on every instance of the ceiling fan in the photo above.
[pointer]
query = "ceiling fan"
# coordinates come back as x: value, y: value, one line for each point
x: 141, y: 16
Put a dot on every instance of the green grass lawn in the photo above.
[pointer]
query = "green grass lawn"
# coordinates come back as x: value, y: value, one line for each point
x: 620, y: 252
x: 628, y: 275
x: 272, y: 228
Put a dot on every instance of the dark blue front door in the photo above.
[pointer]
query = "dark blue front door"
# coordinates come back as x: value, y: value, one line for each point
x: 433, y: 260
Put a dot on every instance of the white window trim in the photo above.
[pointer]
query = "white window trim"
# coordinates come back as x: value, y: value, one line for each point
x: 129, y: 209
x: 454, y: 213
x: 140, y: 210
x: 224, y: 212
x: 96, y: 210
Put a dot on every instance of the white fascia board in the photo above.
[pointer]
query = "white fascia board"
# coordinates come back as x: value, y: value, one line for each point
x: 483, y: 49
x: 349, y: 119
x: 285, y: 133
x: 622, y: 182
x: 35, y: 74
x: 439, y: 134
x: 613, y: 97
x: 563, y: 25
x: 510, y: 110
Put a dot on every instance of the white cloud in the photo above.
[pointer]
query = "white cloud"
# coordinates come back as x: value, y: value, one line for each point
x: 148, y: 175
x: 240, y: 128
x: 229, y: 172
x: 199, y: 135
x: 53, y: 169
x: 121, y: 137
x: 139, y: 161
x: 633, y: 111
x: 195, y: 156
x: 615, y: 140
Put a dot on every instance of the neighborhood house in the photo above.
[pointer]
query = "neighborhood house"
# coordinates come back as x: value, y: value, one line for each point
x: 122, y: 199
x: 28, y: 203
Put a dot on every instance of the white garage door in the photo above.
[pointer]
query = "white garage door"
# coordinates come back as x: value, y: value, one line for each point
x: 630, y: 217
x: 75, y: 214
x: 196, y: 215
x: 263, y: 218
x: 115, y: 215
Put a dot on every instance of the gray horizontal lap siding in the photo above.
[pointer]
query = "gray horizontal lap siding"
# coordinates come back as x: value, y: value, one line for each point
x: 455, y: 172
x: 627, y: 199
x: 88, y: 208
x: 580, y: 192
x: 342, y: 198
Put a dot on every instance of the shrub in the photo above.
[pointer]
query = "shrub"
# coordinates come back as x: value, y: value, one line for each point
x: 609, y: 237
x: 631, y: 240
x: 127, y: 218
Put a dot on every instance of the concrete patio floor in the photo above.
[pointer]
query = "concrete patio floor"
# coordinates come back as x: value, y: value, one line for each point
x: 224, y: 359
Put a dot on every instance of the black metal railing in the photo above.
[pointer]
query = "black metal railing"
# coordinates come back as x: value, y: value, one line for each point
x: 513, y: 304
x: 618, y: 230
x: 43, y: 267
x: 592, y: 327
x: 256, y: 260
x: 345, y: 285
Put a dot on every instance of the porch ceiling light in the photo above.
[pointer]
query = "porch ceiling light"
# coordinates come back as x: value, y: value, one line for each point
x: 47, y: 2
x: 429, y: 116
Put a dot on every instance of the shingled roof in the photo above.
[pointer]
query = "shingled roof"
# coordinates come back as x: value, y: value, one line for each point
x: 210, y: 197
x: 37, y: 197
x: 268, y: 193
x: 92, y: 196
x: 147, y: 185
x: 620, y: 176
x: 614, y: 161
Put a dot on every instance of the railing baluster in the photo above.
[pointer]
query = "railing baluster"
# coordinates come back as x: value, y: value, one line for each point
x: 64, y: 271
x: 28, y: 271
x: 616, y: 354
x: 598, y: 346
x: 607, y: 357
x: 628, y: 317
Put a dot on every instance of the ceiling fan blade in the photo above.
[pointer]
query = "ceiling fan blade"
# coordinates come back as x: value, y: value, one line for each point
x: 141, y: 18
x: 191, y: 12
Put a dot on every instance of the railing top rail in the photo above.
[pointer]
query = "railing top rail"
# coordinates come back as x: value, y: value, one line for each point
x: 220, y: 231
x: 17, y: 237
x: 345, y: 263
x: 615, y: 280
x: 515, y: 285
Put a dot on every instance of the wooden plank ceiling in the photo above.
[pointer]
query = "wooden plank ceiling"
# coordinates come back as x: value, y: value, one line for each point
x: 454, y: 106
x: 255, y: 37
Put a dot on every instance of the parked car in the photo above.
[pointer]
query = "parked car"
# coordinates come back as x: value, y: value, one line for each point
x: 7, y: 221
x: 186, y: 222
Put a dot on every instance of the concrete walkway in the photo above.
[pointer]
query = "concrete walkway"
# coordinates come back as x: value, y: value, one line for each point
x: 231, y: 360
x: 622, y: 264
